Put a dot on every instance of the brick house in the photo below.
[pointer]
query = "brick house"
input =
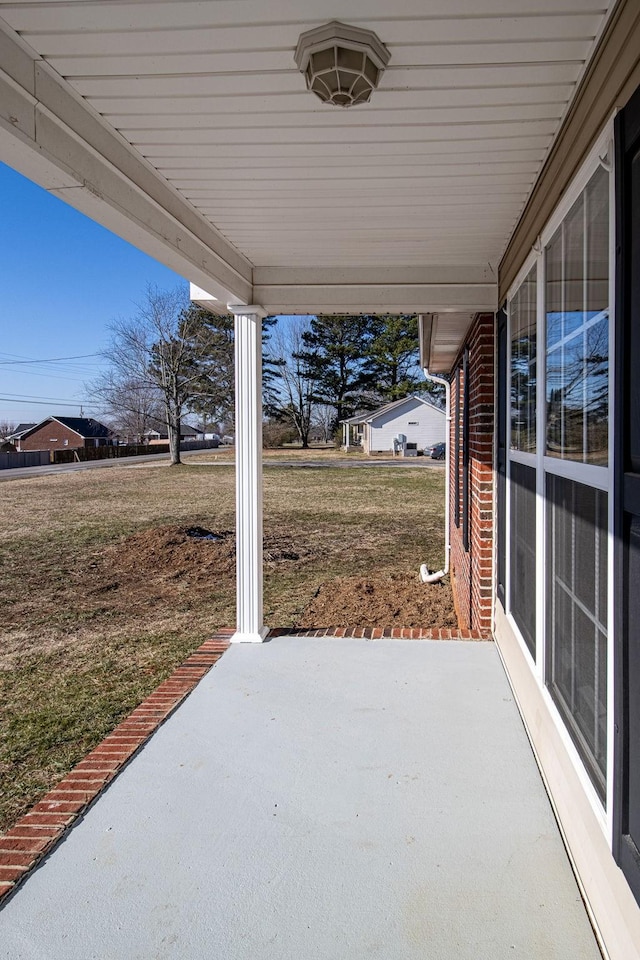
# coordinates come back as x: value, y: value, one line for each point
x: 65, y: 433
x: 507, y: 217
x: 470, y: 451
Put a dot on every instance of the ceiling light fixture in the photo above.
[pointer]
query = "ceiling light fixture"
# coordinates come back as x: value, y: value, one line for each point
x: 341, y: 64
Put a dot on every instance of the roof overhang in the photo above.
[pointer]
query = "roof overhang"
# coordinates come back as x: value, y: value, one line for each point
x: 441, y: 336
x: 187, y: 130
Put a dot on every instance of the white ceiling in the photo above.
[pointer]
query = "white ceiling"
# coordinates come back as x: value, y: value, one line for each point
x: 434, y: 171
x: 185, y: 126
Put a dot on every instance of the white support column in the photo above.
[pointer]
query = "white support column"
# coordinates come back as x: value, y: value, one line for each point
x: 248, y: 354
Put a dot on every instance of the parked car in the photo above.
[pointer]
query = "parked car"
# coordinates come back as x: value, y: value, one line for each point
x: 438, y: 451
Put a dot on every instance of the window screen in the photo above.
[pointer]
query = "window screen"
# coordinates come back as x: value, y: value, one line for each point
x: 523, y: 552
x: 576, y: 571
x: 577, y: 322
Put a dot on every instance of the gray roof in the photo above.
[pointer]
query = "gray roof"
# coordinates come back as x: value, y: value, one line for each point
x: 20, y: 429
x: 85, y: 427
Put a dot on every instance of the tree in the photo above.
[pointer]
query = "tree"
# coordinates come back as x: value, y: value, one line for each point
x: 7, y: 427
x: 165, y: 356
x: 130, y: 407
x: 335, y: 356
x: 393, y: 354
x: 323, y: 420
x: 290, y: 389
x: 213, y: 387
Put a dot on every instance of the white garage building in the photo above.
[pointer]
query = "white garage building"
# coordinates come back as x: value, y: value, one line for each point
x: 418, y: 420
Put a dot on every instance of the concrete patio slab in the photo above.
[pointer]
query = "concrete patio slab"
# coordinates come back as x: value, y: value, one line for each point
x: 318, y: 799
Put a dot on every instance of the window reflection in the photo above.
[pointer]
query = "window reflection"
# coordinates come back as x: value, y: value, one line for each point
x: 577, y: 322
x: 523, y: 313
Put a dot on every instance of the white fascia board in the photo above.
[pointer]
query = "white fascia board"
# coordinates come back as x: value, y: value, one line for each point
x: 67, y: 427
x: 378, y: 298
x: 36, y: 426
x: 398, y: 404
x: 50, y: 134
x: 388, y: 407
x: 455, y: 274
x: 205, y: 299
x: 436, y: 288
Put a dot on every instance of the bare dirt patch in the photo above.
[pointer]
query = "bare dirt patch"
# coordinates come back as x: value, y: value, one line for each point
x: 164, y: 563
x: 380, y: 601
x: 172, y: 557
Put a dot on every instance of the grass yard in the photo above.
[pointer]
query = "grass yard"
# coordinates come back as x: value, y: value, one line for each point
x: 102, y: 594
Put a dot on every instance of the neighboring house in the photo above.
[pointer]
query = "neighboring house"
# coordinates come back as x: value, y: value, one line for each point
x: 187, y: 432
x: 512, y: 226
x: 418, y: 420
x: 64, y: 433
x: 18, y: 433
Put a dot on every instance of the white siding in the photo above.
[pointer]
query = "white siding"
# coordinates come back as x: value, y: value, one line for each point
x: 420, y: 422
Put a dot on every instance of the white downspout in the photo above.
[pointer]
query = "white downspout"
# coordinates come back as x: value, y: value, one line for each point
x: 425, y: 576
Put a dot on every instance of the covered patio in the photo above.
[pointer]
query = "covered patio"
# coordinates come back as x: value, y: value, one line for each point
x: 495, y: 167
x: 322, y: 798
x: 198, y: 133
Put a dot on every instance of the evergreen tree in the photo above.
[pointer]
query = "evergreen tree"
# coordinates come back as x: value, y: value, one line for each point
x: 393, y: 355
x: 335, y: 356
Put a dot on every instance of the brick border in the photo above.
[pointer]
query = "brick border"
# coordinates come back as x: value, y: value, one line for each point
x: 386, y: 633
x: 39, y: 830
x: 43, y: 826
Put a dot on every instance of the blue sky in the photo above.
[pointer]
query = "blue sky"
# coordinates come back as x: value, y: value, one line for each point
x: 63, y: 278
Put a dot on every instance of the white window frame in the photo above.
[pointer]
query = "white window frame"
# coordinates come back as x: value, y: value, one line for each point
x: 597, y: 476
x: 520, y: 456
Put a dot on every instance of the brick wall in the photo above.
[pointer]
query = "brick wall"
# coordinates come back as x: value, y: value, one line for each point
x: 472, y: 569
x: 51, y: 436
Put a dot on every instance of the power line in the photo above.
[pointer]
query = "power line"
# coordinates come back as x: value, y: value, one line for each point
x: 48, y: 376
x: 44, y: 403
x: 82, y: 356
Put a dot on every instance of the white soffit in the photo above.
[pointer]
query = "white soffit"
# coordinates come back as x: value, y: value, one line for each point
x: 448, y: 332
x: 434, y: 172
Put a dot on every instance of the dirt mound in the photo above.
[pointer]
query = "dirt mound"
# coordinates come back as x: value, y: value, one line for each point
x: 169, y: 553
x: 385, y: 601
x: 176, y: 565
x: 190, y: 554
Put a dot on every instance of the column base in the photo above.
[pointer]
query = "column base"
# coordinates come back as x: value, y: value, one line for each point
x: 241, y: 637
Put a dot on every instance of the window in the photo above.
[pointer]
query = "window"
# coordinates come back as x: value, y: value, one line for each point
x: 457, y: 426
x: 577, y: 320
x: 577, y: 616
x: 523, y: 312
x: 466, y: 466
x: 523, y: 551
x: 558, y: 580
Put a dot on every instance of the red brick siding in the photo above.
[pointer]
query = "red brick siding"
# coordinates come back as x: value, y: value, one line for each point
x: 472, y: 570
x: 51, y: 436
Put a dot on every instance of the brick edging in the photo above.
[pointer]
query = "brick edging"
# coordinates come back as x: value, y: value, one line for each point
x: 386, y: 633
x: 38, y: 831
